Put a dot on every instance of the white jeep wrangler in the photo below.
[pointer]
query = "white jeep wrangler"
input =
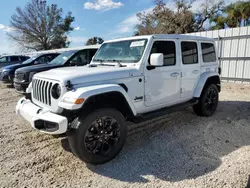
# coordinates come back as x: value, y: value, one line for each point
x: 129, y: 79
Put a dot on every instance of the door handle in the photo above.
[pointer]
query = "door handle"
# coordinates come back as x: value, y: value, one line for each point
x: 208, y: 69
x: 195, y: 71
x: 174, y: 74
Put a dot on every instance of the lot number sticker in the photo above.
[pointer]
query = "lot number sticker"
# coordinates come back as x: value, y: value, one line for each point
x: 137, y: 43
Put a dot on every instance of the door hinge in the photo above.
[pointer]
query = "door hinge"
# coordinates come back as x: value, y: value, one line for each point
x: 181, y: 74
x: 181, y: 90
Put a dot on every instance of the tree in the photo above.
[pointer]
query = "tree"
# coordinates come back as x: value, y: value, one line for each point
x: 238, y: 12
x: 40, y: 26
x: 162, y: 20
x: 234, y: 15
x: 94, y: 40
x: 210, y: 10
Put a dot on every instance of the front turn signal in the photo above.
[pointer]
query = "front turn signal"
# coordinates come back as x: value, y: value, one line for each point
x: 79, y: 101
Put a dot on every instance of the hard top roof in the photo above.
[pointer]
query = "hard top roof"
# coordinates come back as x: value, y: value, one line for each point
x: 164, y: 36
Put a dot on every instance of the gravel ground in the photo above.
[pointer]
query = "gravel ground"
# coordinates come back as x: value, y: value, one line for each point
x: 176, y: 150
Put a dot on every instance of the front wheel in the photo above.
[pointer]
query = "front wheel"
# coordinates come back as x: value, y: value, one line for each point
x: 208, y: 101
x: 98, y: 137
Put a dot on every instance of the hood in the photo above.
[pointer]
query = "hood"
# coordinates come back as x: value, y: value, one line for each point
x: 37, y: 68
x: 10, y: 67
x: 79, y: 75
x: 15, y: 66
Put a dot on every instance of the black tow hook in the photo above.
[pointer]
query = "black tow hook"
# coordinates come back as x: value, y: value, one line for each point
x: 38, y: 111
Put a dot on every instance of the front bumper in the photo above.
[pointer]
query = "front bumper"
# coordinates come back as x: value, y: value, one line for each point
x: 21, y: 87
x: 4, y: 78
x: 41, y: 119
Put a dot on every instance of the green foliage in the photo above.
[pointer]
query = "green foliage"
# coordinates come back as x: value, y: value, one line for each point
x: 40, y: 26
x: 162, y: 20
x: 235, y: 15
x: 94, y: 40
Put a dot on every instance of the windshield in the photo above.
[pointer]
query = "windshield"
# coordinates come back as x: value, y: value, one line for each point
x: 122, y: 51
x: 62, y: 58
x: 30, y: 60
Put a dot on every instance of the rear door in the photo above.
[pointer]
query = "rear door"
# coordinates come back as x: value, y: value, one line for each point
x: 190, y: 68
x: 14, y: 59
x: 209, y: 58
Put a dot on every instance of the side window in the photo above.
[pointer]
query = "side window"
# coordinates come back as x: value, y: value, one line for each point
x: 41, y: 60
x: 167, y: 48
x: 3, y: 59
x: 50, y: 57
x: 14, y: 58
x: 80, y: 58
x: 23, y: 58
x: 91, y: 54
x: 208, y: 52
x: 189, y: 52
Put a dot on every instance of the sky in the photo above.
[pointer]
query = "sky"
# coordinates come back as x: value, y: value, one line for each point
x: 108, y: 19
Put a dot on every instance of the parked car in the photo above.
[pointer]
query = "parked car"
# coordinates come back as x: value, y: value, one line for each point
x: 7, y: 73
x: 12, y: 59
x: 130, y: 79
x: 77, y: 57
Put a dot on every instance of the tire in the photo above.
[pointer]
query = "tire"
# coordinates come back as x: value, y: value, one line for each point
x: 90, y: 140
x: 208, y: 101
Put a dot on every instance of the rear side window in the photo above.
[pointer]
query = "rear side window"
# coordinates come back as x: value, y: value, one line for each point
x: 3, y: 59
x: 208, y: 52
x: 23, y: 58
x: 167, y: 48
x: 189, y: 52
x: 14, y: 58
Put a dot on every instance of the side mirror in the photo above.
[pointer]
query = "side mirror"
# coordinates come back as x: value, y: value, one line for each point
x: 156, y: 59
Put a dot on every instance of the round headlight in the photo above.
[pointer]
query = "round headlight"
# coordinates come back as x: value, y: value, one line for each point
x: 5, y: 72
x: 56, y: 91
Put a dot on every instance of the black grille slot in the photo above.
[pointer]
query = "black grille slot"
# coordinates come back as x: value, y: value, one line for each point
x: 42, y: 91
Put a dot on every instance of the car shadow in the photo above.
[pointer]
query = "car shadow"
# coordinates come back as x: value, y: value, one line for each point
x: 180, y: 145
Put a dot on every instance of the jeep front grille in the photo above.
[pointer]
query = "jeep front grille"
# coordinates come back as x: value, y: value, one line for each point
x: 42, y: 91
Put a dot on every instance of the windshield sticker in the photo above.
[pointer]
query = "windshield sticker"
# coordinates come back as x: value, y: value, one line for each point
x: 137, y: 43
x: 65, y: 58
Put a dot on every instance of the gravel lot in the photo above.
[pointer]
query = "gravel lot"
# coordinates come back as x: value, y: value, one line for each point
x: 176, y: 150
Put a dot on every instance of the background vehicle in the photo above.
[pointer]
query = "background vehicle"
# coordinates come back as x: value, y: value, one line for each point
x: 75, y: 57
x: 131, y: 79
x: 12, y: 59
x: 7, y: 72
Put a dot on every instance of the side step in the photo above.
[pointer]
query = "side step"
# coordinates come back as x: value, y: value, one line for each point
x: 163, y: 111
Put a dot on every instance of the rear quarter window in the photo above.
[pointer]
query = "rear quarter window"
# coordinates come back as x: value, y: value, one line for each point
x: 208, y: 52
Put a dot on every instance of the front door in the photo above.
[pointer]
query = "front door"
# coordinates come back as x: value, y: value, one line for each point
x: 190, y: 68
x: 162, y: 84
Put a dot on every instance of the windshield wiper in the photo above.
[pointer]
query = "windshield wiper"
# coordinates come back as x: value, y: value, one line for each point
x: 99, y: 60
x: 101, y: 63
x: 118, y: 62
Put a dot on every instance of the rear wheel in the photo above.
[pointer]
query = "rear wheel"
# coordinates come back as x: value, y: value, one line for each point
x: 208, y: 101
x: 98, y: 137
